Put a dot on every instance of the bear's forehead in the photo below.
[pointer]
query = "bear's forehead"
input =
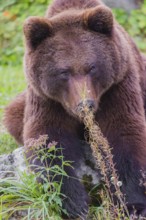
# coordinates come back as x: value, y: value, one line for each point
x: 63, y: 54
x: 74, y: 39
x: 73, y: 47
x: 67, y: 19
x: 69, y: 44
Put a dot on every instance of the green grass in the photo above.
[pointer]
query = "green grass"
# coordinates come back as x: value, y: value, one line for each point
x: 12, y: 82
x: 39, y: 201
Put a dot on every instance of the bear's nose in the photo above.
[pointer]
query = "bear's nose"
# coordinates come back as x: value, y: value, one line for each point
x: 86, y: 103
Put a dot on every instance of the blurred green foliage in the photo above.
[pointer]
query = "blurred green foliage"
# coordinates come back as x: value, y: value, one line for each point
x: 12, y: 15
x: 14, y: 12
x: 135, y: 24
x: 9, y: 88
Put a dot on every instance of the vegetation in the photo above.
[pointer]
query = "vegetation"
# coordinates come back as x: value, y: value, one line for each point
x: 104, y: 160
x: 28, y: 197
x: 12, y: 15
x: 28, y: 194
x: 9, y: 88
x: 135, y: 24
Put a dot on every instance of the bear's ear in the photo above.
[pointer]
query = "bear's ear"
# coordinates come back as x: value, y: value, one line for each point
x: 99, y: 19
x: 36, y: 29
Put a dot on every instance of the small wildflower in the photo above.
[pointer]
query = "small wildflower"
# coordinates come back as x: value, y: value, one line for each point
x: 112, y: 179
x: 52, y: 144
x: 119, y: 183
x: 36, y: 143
x: 6, y: 14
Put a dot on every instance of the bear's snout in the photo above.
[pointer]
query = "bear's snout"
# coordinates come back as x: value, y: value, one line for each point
x: 88, y: 104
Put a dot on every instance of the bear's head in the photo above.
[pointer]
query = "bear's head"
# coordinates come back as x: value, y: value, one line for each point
x: 75, y: 56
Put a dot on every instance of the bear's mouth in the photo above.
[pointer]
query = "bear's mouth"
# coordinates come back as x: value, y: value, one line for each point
x: 86, y: 108
x: 83, y: 109
x: 85, y: 105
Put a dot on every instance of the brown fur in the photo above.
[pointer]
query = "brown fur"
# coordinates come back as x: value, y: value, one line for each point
x: 14, y: 115
x: 79, y: 53
x: 61, y: 6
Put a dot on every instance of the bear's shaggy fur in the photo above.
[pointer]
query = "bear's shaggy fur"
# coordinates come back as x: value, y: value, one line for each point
x: 78, y: 52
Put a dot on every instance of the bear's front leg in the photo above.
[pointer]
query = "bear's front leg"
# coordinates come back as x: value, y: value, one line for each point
x: 129, y: 162
x: 122, y: 121
x: 75, y: 199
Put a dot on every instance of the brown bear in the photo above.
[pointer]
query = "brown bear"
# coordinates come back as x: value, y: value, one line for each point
x: 78, y: 54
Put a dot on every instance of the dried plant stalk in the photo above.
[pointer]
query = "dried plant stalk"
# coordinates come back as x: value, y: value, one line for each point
x: 104, y: 160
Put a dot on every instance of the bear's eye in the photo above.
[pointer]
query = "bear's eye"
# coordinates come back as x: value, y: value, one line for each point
x: 64, y: 74
x: 92, y: 69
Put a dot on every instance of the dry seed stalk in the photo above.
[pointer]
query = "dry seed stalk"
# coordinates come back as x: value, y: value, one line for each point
x: 104, y: 158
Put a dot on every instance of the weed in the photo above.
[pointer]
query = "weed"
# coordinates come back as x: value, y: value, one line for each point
x: 31, y: 198
x: 104, y: 159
